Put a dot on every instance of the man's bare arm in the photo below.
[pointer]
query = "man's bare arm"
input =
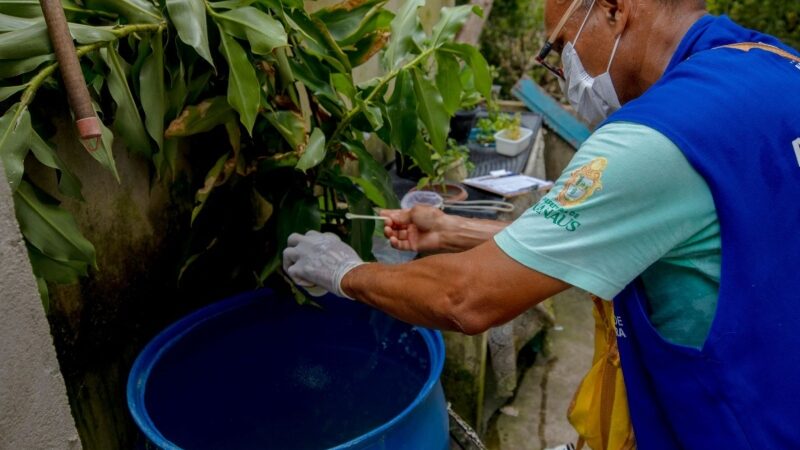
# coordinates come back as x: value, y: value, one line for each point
x: 467, y: 292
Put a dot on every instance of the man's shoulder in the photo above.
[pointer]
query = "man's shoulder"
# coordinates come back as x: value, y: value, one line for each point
x: 630, y: 148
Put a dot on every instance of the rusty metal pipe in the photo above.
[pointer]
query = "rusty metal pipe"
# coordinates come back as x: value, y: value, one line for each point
x: 77, y: 94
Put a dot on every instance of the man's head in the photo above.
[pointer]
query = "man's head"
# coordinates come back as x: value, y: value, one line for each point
x: 649, y: 32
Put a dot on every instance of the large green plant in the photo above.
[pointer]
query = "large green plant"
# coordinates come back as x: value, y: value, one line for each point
x: 513, y: 35
x: 780, y: 18
x: 262, y: 95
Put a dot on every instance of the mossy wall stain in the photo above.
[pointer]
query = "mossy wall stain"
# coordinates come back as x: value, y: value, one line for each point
x: 99, y: 326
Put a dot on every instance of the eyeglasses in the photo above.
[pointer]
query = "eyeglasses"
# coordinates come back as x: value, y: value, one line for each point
x: 548, y: 45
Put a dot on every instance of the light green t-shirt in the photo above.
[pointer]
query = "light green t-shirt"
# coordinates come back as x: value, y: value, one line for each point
x: 629, y: 204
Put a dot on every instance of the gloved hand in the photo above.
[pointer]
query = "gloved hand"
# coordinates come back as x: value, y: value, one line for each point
x: 318, y: 262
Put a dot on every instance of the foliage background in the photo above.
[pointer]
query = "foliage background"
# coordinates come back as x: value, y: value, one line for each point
x: 261, y: 96
x: 780, y: 18
x: 514, y: 33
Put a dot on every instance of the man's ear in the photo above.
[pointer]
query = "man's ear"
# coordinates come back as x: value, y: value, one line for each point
x: 617, y: 13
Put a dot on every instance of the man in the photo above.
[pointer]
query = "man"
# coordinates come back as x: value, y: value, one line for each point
x: 682, y: 207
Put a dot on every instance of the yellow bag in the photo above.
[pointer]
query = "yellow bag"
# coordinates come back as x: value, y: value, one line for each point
x: 599, y: 410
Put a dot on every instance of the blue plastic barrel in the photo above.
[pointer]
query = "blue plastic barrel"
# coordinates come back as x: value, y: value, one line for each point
x: 260, y: 371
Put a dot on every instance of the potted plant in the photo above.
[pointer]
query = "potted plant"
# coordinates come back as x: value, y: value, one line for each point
x: 488, y: 126
x: 449, y: 169
x: 514, y: 139
x: 464, y: 119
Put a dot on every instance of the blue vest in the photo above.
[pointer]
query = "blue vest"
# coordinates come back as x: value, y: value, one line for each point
x: 736, y: 117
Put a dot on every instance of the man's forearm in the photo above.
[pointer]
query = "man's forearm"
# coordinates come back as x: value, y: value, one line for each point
x: 467, y: 292
x: 459, y: 233
x: 421, y: 292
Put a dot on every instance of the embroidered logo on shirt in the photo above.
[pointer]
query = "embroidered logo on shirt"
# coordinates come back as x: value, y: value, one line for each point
x: 582, y: 183
x: 550, y: 210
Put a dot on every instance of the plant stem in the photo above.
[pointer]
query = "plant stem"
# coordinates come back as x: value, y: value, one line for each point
x: 37, y: 81
x: 210, y: 10
x: 381, y: 83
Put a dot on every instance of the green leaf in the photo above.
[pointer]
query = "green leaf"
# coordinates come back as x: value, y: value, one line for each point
x: 55, y: 271
x: 8, y: 91
x: 127, y: 121
x: 153, y: 95
x: 44, y: 294
x: 104, y: 153
x: 374, y: 116
x: 368, y: 46
x: 52, y: 230
x: 33, y: 8
x: 11, y: 23
x: 178, y: 90
x: 361, y: 231
x: 480, y: 68
x: 14, y: 135
x: 201, y: 118
x: 290, y: 125
x: 407, y: 34
x: 314, y: 152
x: 402, y: 111
x: 86, y: 34
x: 299, y: 295
x: 373, y: 179
x: 297, y: 213
x: 166, y: 160
x: 318, y: 40
x: 26, y: 42
x: 421, y: 154
x: 269, y: 268
x: 431, y: 110
x: 190, y: 260
x: 262, y: 31
x: 189, y: 18
x: 243, y: 87
x: 213, y: 179
x: 343, y: 84
x: 262, y: 210
x: 448, y: 81
x: 349, y: 21
x: 21, y: 8
x: 135, y: 11
x: 316, y: 76
x: 13, y: 67
x: 450, y: 23
x: 68, y: 184
x: 231, y: 4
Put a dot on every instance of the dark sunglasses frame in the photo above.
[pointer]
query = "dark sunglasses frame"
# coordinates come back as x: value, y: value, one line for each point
x: 557, y: 71
x: 548, y: 45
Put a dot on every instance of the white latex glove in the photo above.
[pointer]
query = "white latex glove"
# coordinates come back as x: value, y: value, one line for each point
x: 318, y: 262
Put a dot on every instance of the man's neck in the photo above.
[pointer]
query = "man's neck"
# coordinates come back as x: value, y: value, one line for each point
x: 667, y: 32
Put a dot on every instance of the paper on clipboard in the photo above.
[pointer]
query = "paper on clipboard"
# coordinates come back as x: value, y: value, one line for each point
x: 508, y: 184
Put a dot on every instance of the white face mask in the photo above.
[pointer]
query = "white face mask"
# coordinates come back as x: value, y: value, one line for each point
x: 594, y: 98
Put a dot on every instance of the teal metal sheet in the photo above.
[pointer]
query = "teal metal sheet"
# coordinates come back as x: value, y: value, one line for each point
x: 555, y: 116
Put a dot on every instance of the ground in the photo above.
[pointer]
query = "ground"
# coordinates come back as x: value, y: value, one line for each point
x: 536, y: 418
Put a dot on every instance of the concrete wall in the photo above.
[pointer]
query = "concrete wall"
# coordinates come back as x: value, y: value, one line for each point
x: 34, y: 412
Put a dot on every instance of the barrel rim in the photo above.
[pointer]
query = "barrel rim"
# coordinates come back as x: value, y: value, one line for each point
x: 142, y: 367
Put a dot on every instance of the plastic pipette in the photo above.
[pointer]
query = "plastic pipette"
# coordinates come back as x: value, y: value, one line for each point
x: 365, y: 217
